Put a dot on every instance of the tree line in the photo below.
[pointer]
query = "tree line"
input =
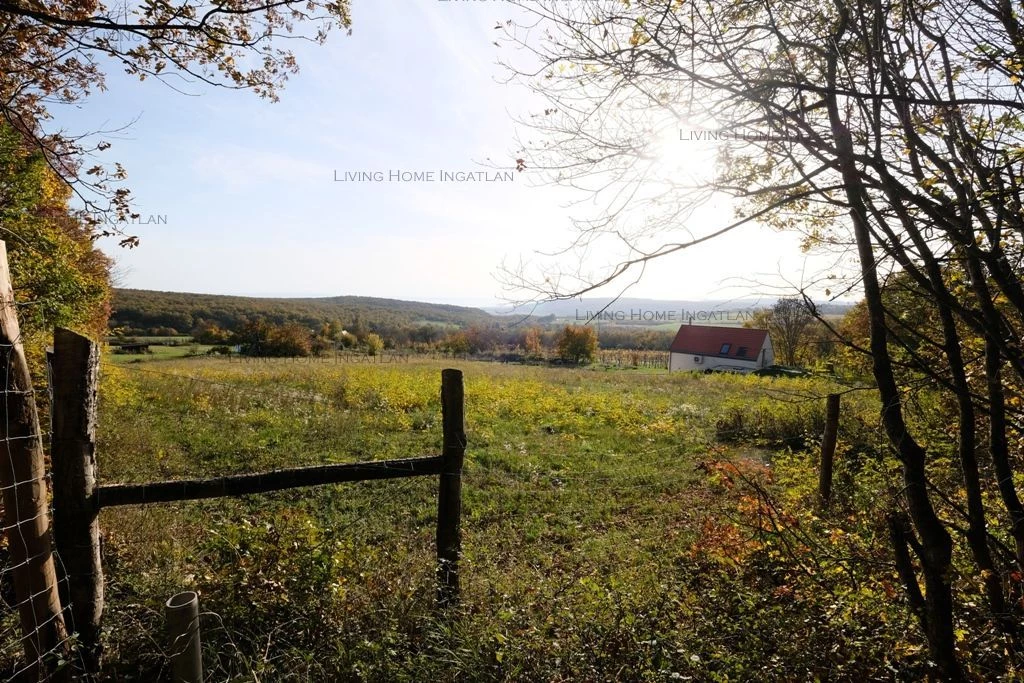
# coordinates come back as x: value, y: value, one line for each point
x: 144, y: 312
x: 575, y: 344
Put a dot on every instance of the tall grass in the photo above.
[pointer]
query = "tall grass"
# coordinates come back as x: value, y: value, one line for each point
x: 602, y: 541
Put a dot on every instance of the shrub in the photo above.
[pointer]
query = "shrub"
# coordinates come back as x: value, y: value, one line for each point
x: 577, y: 344
x: 374, y: 344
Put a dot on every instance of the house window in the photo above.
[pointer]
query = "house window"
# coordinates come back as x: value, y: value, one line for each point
x: 725, y: 348
x: 742, y: 351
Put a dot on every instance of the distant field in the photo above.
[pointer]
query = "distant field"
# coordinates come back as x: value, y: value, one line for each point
x: 158, y: 353
x: 597, y: 535
x: 179, y: 339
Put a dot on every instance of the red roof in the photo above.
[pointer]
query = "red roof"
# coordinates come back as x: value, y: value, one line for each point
x: 705, y: 340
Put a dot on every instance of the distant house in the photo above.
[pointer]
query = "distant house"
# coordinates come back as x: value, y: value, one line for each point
x: 736, y: 349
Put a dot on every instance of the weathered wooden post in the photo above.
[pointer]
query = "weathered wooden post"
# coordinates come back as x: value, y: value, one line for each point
x: 828, y: 448
x: 74, y: 377
x: 449, y: 493
x: 26, y: 517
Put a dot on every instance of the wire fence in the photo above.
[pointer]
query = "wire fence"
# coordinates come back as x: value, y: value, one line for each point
x: 37, y: 637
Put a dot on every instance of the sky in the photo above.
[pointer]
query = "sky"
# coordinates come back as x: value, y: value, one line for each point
x: 238, y: 195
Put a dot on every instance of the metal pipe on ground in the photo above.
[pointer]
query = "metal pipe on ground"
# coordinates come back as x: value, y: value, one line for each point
x: 182, y: 612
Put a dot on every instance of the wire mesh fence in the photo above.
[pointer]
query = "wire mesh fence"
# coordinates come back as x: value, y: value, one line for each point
x: 37, y: 637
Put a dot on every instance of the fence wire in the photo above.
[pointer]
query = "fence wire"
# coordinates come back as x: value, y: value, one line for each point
x: 37, y: 637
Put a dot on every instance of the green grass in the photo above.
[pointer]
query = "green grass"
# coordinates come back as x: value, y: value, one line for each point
x: 591, y: 525
x: 179, y: 339
x: 159, y: 353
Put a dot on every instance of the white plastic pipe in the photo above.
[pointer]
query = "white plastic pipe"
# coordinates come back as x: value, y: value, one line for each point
x: 183, y: 623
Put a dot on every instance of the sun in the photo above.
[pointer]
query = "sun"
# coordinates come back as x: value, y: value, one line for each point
x: 685, y: 155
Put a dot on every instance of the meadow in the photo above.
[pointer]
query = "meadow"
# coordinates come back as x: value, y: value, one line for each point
x: 617, y: 525
x: 159, y: 352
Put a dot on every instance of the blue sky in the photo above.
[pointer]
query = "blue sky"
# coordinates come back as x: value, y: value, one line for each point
x: 251, y: 206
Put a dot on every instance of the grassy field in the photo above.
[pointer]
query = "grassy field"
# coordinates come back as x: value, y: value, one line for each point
x: 158, y: 353
x: 607, y: 527
x: 179, y: 339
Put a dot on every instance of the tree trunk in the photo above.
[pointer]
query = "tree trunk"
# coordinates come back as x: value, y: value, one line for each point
x: 936, y: 545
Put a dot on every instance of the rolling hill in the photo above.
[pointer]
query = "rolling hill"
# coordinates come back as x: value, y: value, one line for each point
x: 182, y: 311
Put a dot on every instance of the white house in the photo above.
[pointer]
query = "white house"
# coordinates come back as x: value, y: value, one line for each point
x: 736, y: 349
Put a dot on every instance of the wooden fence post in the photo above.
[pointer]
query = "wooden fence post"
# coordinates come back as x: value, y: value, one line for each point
x: 828, y: 448
x: 26, y: 517
x: 449, y: 492
x: 74, y: 376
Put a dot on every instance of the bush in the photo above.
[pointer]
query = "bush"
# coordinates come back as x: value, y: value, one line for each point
x: 374, y: 344
x: 577, y: 344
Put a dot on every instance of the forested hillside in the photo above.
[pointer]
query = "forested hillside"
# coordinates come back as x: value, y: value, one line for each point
x: 144, y: 311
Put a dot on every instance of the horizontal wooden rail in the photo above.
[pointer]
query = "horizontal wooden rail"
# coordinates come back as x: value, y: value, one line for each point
x: 276, y: 480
